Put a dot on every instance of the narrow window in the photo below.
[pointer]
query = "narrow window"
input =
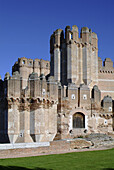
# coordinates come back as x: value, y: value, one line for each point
x: 23, y: 62
x: 30, y: 63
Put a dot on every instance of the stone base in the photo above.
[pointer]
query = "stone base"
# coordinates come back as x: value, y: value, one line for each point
x: 26, y: 138
x: 12, y: 138
x: 43, y: 137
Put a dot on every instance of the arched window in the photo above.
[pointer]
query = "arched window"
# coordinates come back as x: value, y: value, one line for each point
x: 78, y: 120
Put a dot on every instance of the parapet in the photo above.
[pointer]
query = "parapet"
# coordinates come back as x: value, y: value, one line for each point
x: 72, y: 35
x: 26, y: 66
x: 59, y: 37
x: 75, y: 35
x: 37, y: 63
x: 58, y: 31
x: 74, y: 28
x: 68, y: 28
x: 108, y: 63
x: 85, y: 30
x: 89, y: 37
x: 25, y: 62
x: 94, y: 35
x: 99, y: 63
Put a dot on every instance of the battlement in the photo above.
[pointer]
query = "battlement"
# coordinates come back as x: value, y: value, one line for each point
x: 27, y: 66
x: 72, y: 36
x: 65, y: 53
x: 105, y: 66
x: 26, y: 62
x: 106, y: 77
x: 30, y: 63
x: 71, y: 95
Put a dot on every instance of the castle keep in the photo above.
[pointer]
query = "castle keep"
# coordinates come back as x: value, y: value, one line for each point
x: 69, y: 96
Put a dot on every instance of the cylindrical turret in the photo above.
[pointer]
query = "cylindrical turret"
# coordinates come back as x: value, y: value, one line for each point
x: 94, y: 40
x: 58, y: 36
x: 75, y: 32
x: 85, y: 34
x: 67, y: 34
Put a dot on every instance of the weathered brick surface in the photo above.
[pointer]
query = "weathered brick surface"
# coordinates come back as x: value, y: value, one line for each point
x: 64, y: 98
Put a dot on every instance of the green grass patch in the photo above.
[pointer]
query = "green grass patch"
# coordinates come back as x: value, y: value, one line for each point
x: 92, y: 160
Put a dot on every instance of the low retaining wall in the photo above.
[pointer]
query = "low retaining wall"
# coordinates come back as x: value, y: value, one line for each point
x: 32, y: 149
x: 23, y: 145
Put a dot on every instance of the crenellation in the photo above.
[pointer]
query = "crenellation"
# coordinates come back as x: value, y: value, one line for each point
x: 85, y: 35
x: 75, y: 35
x: 68, y: 96
x: 99, y: 63
x: 94, y: 40
x: 67, y: 34
x: 108, y: 63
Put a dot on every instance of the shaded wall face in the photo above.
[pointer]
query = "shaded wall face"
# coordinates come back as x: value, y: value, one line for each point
x: 4, y: 121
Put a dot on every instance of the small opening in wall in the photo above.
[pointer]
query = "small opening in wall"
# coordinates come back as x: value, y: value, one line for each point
x: 22, y: 100
x: 73, y: 96
x: 110, y: 109
x: 47, y: 65
x: 21, y: 135
x: 70, y: 131
x: 27, y: 99
x: 23, y: 62
x: 85, y: 97
x: 30, y: 63
x: 43, y: 91
x: 105, y: 122
x: 39, y: 100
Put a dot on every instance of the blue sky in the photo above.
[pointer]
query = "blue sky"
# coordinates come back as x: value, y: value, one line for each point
x: 26, y: 26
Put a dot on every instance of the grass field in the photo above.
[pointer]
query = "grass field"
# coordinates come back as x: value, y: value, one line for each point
x: 71, y: 161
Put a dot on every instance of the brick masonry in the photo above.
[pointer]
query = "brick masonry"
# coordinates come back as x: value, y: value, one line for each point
x: 70, y: 96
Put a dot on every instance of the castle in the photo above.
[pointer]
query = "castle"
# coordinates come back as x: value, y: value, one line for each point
x: 69, y: 96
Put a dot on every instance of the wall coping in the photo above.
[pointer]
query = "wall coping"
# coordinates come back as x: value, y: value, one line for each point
x: 23, y: 145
